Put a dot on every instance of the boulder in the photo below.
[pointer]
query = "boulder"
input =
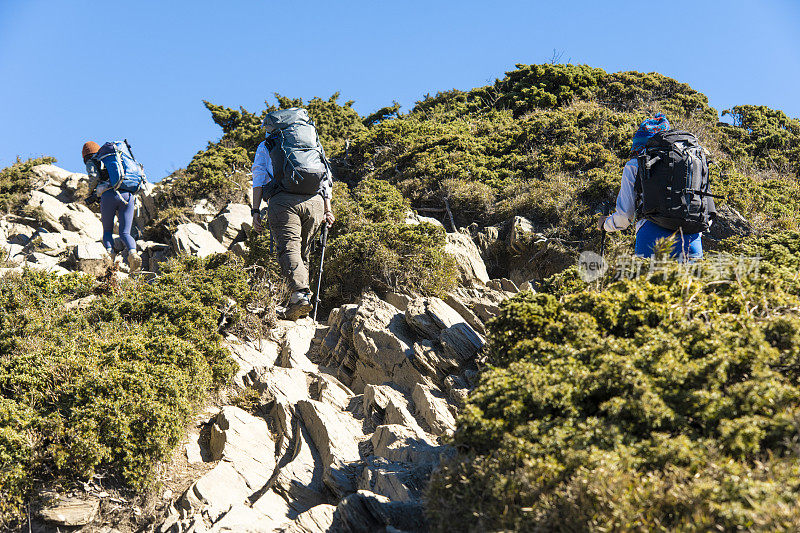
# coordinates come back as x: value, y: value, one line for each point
x: 227, y: 225
x: 428, y: 316
x: 295, y: 341
x: 52, y: 208
x: 413, y: 218
x: 384, y: 404
x: 70, y: 511
x: 317, y: 519
x: 399, y: 443
x: 365, y: 511
x: 91, y: 258
x: 522, y: 237
x: 81, y: 219
x: 191, y: 238
x: 729, y: 223
x: 471, y: 268
x: 400, y: 482
x: 434, y: 409
x: 461, y: 342
x: 336, y: 435
x: 250, y: 356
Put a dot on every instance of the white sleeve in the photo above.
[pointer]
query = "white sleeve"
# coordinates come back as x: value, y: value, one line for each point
x: 262, y: 166
x: 626, y: 200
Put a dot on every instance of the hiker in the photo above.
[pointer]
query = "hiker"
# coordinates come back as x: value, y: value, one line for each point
x: 119, y: 203
x: 672, y: 157
x: 291, y: 173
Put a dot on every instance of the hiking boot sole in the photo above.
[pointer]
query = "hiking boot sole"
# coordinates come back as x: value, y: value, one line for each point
x: 298, y: 311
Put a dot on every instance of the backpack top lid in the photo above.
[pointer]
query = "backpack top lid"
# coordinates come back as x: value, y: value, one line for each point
x: 672, y: 138
x: 283, y: 118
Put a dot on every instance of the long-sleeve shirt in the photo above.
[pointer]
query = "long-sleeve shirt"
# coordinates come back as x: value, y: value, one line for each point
x: 262, y: 172
x: 98, y: 177
x: 625, y: 211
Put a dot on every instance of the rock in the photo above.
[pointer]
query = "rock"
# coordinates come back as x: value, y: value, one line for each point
x: 729, y: 223
x: 12, y: 253
x: 466, y: 313
x: 244, y: 444
x: 396, y: 481
x: 485, y: 238
x: 508, y: 285
x: 81, y: 219
x: 190, y: 238
x: 402, y: 444
x: 244, y: 519
x: 301, y: 478
x: 434, y: 409
x: 57, y: 243
x: 317, y: 519
x: 428, y: 316
x: 336, y: 435
x: 400, y: 301
x: 471, y: 268
x: 461, y: 342
x: 327, y: 389
x: 384, y: 404
x: 527, y: 287
x: 295, y: 344
x: 145, y: 205
x: 227, y: 225
x: 51, y: 174
x: 91, y: 258
x: 485, y: 303
x: 250, y: 357
x: 71, y: 511
x: 457, y: 389
x: 52, y: 208
x: 365, y: 511
x: 413, y: 218
x: 523, y: 237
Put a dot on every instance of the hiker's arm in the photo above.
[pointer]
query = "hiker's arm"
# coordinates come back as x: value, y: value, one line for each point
x: 261, y: 176
x: 626, y: 202
x: 329, y: 218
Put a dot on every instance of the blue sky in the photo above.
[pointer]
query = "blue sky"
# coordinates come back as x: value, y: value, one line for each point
x: 76, y: 70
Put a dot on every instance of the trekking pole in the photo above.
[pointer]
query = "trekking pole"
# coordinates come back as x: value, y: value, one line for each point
x: 603, y: 236
x: 321, y: 263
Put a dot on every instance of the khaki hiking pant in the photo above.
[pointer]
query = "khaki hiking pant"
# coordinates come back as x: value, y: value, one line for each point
x: 293, y: 221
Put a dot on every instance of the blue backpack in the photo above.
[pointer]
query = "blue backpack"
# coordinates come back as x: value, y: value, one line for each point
x: 125, y: 174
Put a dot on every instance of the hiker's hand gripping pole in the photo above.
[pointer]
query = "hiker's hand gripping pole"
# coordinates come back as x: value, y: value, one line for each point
x: 321, y: 264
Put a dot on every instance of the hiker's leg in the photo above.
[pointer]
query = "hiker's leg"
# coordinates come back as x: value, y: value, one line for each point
x: 286, y: 229
x: 125, y: 216
x: 108, y: 208
x: 312, y: 213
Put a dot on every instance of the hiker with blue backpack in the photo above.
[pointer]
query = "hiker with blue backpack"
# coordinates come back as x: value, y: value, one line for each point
x: 292, y: 174
x: 114, y: 178
x: 665, y: 188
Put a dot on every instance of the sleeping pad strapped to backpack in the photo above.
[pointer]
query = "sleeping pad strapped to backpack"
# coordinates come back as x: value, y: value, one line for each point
x: 298, y: 160
x: 672, y: 184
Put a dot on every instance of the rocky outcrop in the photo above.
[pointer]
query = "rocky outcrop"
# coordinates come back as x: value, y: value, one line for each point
x: 349, y: 423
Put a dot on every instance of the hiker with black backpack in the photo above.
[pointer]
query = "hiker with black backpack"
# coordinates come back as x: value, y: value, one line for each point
x: 665, y: 187
x: 291, y: 172
x: 114, y: 179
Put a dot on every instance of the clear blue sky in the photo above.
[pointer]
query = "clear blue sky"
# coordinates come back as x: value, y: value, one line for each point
x: 76, y: 70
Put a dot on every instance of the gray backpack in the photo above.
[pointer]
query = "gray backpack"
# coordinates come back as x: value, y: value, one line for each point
x: 299, y: 164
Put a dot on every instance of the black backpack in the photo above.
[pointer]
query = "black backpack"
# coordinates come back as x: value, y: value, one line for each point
x: 672, y: 187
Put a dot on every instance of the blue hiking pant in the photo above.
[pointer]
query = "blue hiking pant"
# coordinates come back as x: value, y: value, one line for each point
x: 688, y: 245
x: 112, y: 204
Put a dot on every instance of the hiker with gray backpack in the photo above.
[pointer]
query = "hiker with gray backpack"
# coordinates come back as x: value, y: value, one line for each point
x: 291, y: 172
x: 114, y: 179
x: 665, y: 187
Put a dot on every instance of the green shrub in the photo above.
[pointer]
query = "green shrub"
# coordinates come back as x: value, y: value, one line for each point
x: 108, y: 389
x: 667, y: 402
x: 371, y: 247
x: 15, y: 182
